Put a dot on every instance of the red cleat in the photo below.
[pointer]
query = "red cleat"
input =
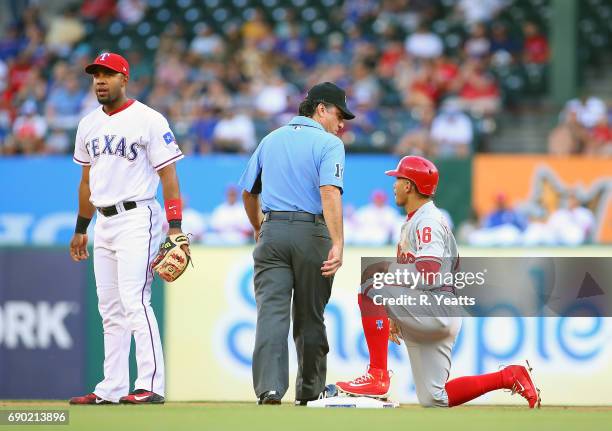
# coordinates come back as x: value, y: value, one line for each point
x: 91, y: 398
x: 374, y: 383
x: 140, y: 396
x: 518, y: 379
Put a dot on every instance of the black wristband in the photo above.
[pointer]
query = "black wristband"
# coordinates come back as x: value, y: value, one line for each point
x: 174, y: 224
x: 81, y: 225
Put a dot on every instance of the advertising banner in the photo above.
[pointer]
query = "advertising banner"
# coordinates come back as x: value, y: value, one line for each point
x: 542, y: 184
x: 41, y: 211
x: 210, y: 328
x: 42, y: 324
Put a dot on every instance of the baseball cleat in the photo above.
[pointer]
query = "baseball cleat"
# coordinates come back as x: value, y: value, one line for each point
x: 374, y: 384
x: 269, y: 398
x: 89, y: 399
x: 140, y: 396
x: 329, y: 391
x: 519, y: 380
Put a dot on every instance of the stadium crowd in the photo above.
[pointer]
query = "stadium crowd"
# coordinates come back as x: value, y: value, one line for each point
x: 423, y: 77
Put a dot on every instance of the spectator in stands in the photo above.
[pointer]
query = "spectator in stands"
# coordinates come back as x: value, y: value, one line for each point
x: 29, y: 129
x: 535, y: 47
x: 131, y: 11
x: 228, y: 222
x: 475, y: 11
x: 98, y: 10
x: 216, y: 97
x: 501, y: 41
x: 424, y: 44
x: 270, y: 96
x: 57, y: 142
x: 446, y: 73
x: 64, y: 32
x: 451, y: 132
x: 3, y: 75
x: 207, y: 44
x: 194, y: 222
x: 309, y: 56
x: 478, y: 44
x: 235, y: 63
x: 572, y: 225
x: 576, y: 130
x: 417, y: 139
x: 234, y: 133
x: 256, y: 28
x: 589, y: 110
x: 376, y: 221
x: 366, y: 87
x: 202, y: 130
x: 34, y: 88
x: 393, y: 52
x: 537, y: 231
x: 599, y: 141
x: 11, y: 43
x: 18, y: 72
x: 171, y: 71
x: 64, y: 104
x: 479, y: 93
x: 335, y: 53
x: 502, y: 227
x: 568, y: 137
x: 424, y: 92
x: 467, y: 227
x: 5, y: 126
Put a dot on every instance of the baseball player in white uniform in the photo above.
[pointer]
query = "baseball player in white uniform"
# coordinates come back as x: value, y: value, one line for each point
x: 426, y: 247
x: 125, y: 148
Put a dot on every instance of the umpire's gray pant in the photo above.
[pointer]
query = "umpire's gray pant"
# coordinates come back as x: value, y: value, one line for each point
x: 288, y: 259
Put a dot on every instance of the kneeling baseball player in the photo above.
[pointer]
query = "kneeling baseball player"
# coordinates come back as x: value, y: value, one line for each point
x: 427, y: 246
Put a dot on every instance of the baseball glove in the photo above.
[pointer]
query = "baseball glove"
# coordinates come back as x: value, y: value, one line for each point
x: 172, y: 259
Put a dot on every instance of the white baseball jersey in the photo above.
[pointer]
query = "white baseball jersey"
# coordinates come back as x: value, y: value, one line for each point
x: 425, y: 236
x: 125, y: 150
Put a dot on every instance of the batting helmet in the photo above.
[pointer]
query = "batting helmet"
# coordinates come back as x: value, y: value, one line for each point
x: 420, y: 171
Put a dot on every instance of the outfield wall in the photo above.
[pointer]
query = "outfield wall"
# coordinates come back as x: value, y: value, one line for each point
x: 51, y: 337
x: 211, y: 314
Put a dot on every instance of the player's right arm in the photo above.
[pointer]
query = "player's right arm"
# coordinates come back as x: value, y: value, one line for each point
x: 78, y: 244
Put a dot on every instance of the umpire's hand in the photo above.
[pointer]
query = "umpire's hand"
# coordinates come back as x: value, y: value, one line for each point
x: 333, y: 262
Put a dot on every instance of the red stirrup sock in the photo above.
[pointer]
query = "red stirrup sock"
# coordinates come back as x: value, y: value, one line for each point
x: 463, y: 389
x: 376, y: 329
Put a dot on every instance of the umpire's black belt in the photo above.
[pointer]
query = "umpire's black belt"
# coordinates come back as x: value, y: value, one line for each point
x: 294, y: 216
x: 112, y: 210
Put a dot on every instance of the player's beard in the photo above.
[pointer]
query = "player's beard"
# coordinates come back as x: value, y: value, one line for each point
x: 108, y: 99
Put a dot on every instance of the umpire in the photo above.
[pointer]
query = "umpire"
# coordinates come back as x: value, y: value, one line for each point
x: 298, y: 171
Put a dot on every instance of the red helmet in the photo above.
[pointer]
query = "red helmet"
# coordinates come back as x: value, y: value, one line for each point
x: 420, y: 171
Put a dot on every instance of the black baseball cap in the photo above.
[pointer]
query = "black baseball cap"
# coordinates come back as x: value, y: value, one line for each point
x: 329, y: 92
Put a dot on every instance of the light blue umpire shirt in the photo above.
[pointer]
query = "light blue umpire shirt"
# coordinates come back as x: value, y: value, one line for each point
x: 291, y: 163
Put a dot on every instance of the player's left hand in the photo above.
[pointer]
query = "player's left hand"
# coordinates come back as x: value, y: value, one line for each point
x: 171, y: 261
x: 177, y: 231
x: 394, y: 332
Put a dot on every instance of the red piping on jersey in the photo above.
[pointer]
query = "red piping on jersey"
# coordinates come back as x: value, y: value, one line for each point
x: 121, y: 108
x: 410, y: 214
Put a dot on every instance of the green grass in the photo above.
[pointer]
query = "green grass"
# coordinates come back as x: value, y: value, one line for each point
x: 249, y: 417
